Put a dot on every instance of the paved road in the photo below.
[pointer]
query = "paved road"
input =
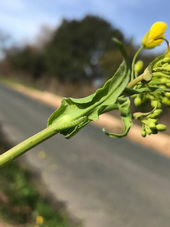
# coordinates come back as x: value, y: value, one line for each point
x: 106, y: 182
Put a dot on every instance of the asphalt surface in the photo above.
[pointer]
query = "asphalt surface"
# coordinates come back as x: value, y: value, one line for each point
x: 105, y: 182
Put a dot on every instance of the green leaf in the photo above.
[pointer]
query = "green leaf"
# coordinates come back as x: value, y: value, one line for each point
x: 92, y: 106
x: 123, y: 105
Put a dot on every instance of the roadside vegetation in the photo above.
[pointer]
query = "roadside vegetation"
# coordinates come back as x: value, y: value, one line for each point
x: 23, y: 204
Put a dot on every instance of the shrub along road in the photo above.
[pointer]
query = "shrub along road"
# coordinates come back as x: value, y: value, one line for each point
x: 104, y: 181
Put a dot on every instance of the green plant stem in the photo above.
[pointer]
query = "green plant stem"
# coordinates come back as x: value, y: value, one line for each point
x: 26, y: 145
x: 134, y: 60
x: 132, y: 83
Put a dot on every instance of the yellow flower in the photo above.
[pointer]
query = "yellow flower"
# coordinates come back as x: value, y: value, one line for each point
x: 157, y: 30
x: 39, y: 220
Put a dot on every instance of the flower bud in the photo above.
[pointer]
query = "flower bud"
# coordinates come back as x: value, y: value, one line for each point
x: 164, y: 80
x: 137, y: 101
x: 167, y: 94
x: 138, y: 66
x: 152, y: 125
x: 143, y: 133
x: 161, y: 127
x: 148, y: 130
x: 155, y: 103
x: 162, y: 86
x: 166, y: 101
x: 167, y: 58
x: 157, y: 30
x: 156, y: 113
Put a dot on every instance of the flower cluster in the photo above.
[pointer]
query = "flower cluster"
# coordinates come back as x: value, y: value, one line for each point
x: 150, y: 122
x: 156, y: 88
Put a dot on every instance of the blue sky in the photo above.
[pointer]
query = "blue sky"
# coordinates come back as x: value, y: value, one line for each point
x: 23, y: 18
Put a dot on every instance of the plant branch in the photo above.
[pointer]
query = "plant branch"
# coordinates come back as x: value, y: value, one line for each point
x: 133, y: 62
x: 26, y: 145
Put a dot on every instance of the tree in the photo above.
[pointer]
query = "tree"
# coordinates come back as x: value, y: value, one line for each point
x: 27, y: 59
x: 77, y: 47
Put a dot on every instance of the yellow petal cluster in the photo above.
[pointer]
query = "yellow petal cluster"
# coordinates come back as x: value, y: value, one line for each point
x: 157, y: 30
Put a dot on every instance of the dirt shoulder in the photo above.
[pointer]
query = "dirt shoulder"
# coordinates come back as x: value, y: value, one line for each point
x: 159, y: 143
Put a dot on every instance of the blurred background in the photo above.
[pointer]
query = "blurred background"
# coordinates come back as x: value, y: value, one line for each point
x: 65, y: 47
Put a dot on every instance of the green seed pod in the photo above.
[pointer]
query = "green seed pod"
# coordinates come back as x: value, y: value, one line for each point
x: 137, y: 101
x: 168, y: 84
x: 161, y: 127
x: 166, y: 101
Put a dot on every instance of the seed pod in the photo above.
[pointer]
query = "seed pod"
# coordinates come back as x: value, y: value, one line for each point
x: 161, y: 127
x: 137, y: 101
x: 168, y: 84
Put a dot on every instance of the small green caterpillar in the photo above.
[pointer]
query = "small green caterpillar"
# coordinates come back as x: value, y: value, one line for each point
x: 72, y: 123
